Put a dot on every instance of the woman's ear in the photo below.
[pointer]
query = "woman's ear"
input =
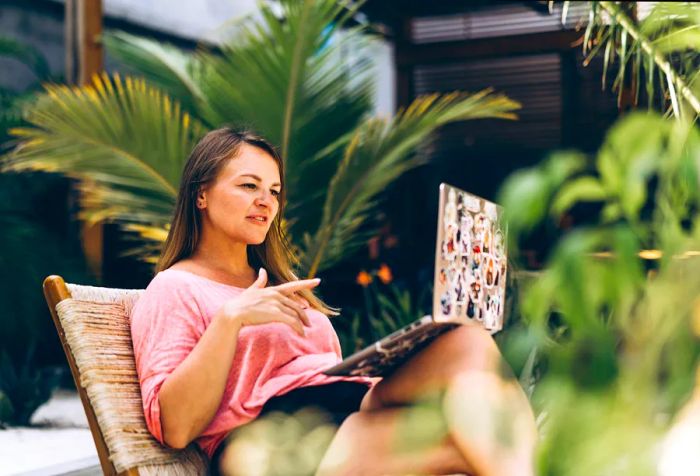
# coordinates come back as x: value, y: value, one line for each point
x: 201, y: 199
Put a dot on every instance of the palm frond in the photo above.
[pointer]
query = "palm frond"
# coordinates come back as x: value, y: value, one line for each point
x: 303, y: 81
x: 378, y: 153
x: 11, y: 107
x: 126, y: 141
x: 26, y: 54
x: 660, y: 51
x: 298, y: 79
x: 163, y: 65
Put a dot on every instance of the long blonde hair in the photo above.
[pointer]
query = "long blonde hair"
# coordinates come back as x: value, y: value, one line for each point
x: 203, y: 166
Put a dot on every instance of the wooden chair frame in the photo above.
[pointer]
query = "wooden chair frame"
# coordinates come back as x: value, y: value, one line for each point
x: 55, y: 291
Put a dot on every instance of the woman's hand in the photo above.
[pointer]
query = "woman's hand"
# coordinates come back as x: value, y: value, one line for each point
x: 261, y: 305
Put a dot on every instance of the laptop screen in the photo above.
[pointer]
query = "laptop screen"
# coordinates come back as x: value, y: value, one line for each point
x: 470, y: 260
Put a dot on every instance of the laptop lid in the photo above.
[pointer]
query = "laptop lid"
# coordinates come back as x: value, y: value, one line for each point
x: 470, y: 260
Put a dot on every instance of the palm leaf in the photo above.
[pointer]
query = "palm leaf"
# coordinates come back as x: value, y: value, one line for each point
x: 126, y: 141
x: 251, y: 85
x: 27, y: 54
x: 299, y: 80
x: 163, y: 65
x: 378, y: 153
x: 660, y: 50
x: 11, y: 102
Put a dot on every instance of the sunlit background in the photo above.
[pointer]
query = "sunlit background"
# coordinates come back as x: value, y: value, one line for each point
x: 577, y: 117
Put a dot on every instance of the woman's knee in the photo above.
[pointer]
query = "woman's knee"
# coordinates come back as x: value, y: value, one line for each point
x: 354, y: 423
x: 469, y: 345
x: 468, y: 336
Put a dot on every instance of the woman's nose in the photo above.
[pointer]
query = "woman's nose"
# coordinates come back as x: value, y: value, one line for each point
x: 264, y: 198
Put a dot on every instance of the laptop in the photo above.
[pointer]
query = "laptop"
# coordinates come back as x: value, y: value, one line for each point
x: 469, y: 283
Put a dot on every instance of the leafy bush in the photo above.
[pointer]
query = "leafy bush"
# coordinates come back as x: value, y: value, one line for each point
x: 299, y: 74
x: 36, y: 242
x: 388, y: 306
x: 23, y: 388
x: 613, y: 318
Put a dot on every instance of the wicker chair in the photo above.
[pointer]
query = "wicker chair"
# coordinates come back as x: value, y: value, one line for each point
x: 93, y: 325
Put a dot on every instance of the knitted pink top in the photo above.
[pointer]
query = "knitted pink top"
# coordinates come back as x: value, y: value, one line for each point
x: 270, y: 359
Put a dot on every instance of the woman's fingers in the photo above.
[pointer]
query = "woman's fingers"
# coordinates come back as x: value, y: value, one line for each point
x: 294, y: 286
x: 292, y: 322
x: 294, y: 306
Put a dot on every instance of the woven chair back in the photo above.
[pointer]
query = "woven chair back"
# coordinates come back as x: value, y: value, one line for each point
x: 93, y: 324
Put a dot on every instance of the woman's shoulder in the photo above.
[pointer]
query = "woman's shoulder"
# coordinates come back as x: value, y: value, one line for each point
x: 171, y: 279
x: 171, y: 286
x: 168, y: 292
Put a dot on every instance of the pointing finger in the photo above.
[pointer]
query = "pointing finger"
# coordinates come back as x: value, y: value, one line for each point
x: 294, y: 286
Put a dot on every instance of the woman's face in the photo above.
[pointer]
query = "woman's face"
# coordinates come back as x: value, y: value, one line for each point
x: 243, y: 200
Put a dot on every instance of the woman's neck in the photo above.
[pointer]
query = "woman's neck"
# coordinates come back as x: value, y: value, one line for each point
x: 223, y: 261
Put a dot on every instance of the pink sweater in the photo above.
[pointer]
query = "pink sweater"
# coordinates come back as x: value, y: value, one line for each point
x: 270, y: 359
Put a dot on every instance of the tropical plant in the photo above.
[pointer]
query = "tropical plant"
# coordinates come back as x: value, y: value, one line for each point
x: 387, y: 307
x: 302, y: 79
x: 31, y: 251
x: 613, y: 317
x: 283, y: 444
x: 660, y: 51
x: 12, y: 102
x: 23, y: 388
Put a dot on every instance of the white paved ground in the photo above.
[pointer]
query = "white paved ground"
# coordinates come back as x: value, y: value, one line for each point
x: 58, y: 443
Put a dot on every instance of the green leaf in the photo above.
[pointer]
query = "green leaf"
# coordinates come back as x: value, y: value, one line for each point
x: 667, y: 40
x: 611, y: 212
x: 679, y: 40
x: 164, y: 66
x: 582, y: 189
x: 301, y: 81
x: 27, y: 54
x: 378, y: 153
x: 524, y: 196
x: 125, y: 140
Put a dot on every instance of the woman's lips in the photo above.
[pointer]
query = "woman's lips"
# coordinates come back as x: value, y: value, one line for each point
x: 256, y: 221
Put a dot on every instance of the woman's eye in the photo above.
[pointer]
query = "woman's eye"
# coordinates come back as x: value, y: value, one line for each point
x: 275, y: 193
x: 251, y: 186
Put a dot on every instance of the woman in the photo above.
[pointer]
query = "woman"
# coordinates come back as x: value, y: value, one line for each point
x: 225, y: 332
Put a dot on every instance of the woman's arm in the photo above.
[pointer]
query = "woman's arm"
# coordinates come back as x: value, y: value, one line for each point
x: 191, y: 394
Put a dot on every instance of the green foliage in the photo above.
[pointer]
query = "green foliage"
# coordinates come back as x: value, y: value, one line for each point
x: 378, y: 153
x: 167, y: 67
x: 387, y: 308
x: 23, y: 388
x: 611, y: 331
x: 299, y: 76
x: 12, y: 102
x: 281, y: 444
x: 31, y: 251
x: 660, y: 51
x: 528, y: 193
x: 82, y: 133
x: 26, y: 54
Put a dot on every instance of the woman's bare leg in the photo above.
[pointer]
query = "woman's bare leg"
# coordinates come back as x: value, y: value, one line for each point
x: 368, y: 443
x: 491, y: 423
x: 466, y: 348
x: 488, y: 415
x: 487, y: 425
